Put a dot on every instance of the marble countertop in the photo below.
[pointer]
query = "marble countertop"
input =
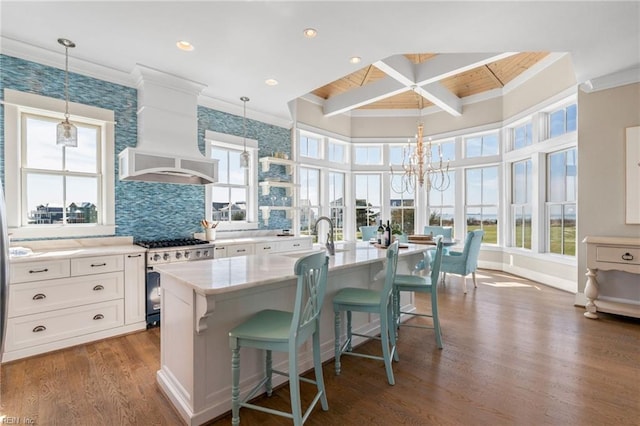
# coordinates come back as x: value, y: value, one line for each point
x: 225, y: 275
x: 67, y: 249
x: 247, y: 240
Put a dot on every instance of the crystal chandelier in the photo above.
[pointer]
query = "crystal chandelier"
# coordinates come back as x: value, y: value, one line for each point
x: 418, y: 164
x: 244, y: 157
x: 66, y: 133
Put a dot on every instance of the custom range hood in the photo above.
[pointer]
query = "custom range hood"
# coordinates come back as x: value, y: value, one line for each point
x: 167, y: 149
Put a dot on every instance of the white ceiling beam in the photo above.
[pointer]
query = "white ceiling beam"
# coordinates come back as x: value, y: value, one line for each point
x: 442, y: 97
x: 363, y: 95
x: 399, y: 68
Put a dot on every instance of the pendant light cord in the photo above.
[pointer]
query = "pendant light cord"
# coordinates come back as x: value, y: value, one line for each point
x: 66, y: 82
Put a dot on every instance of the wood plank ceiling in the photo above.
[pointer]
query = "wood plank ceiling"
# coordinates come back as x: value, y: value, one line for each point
x: 467, y: 82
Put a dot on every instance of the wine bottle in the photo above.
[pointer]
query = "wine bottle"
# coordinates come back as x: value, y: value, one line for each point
x: 380, y: 234
x: 387, y: 235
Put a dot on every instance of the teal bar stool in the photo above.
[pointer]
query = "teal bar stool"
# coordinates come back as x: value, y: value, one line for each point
x: 282, y: 331
x: 374, y: 301
x: 421, y: 284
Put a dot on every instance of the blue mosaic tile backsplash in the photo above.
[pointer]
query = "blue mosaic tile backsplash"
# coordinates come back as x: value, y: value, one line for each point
x: 147, y: 210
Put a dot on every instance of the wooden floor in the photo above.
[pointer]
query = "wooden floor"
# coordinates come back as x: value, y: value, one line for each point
x: 515, y: 353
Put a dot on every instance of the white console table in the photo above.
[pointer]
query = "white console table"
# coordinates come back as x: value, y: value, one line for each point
x: 610, y: 254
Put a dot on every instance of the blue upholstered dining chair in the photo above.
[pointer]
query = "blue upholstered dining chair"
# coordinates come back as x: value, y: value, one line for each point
x: 421, y: 284
x: 281, y: 331
x: 445, y: 231
x: 373, y: 301
x: 465, y: 262
x: 368, y: 232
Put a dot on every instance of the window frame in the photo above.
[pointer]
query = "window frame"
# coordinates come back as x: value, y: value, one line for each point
x: 232, y: 142
x: 563, y: 204
x: 17, y: 104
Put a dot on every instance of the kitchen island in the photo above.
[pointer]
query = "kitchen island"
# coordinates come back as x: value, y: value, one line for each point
x: 202, y: 301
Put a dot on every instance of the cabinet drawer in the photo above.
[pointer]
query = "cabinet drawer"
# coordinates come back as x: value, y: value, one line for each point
x: 294, y: 245
x: 219, y: 252
x: 239, y: 250
x: 37, y: 271
x: 266, y: 248
x: 618, y: 255
x: 42, y: 296
x: 97, y: 265
x: 38, y: 329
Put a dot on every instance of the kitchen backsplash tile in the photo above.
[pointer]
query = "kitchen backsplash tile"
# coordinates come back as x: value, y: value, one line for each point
x: 147, y: 210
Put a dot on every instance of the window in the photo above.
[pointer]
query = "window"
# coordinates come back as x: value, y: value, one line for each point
x: 232, y: 201
x: 522, y: 136
x: 309, y: 199
x: 337, y: 203
x: 230, y: 194
x: 561, y: 202
x: 442, y: 203
x: 521, y: 204
x: 402, y: 205
x: 55, y: 191
x: 368, y: 199
x: 368, y: 155
x: 481, y: 146
x: 563, y: 121
x: 445, y: 151
x: 310, y: 146
x: 482, y: 202
x: 336, y: 152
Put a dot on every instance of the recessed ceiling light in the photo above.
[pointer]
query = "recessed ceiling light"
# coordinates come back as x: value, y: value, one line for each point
x: 185, y: 45
x: 310, y: 32
x: 271, y: 82
x: 355, y: 59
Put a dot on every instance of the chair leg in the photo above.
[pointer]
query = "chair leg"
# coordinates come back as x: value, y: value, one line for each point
x: 294, y: 389
x: 386, y: 353
x: 317, y: 366
x: 444, y: 277
x: 475, y: 284
x: 393, y: 333
x: 396, y: 308
x: 235, y: 386
x: 464, y: 283
x: 269, y: 372
x: 349, y: 335
x: 336, y: 324
x: 436, y: 318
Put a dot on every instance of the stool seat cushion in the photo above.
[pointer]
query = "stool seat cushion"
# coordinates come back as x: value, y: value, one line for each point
x: 268, y: 325
x: 357, y: 296
x: 413, y: 283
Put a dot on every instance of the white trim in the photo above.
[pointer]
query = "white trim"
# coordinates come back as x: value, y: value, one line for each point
x: 609, y: 81
x: 207, y: 101
x: 20, y: 102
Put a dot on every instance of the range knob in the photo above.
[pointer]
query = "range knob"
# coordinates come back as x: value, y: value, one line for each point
x: 178, y: 255
x: 156, y: 257
x: 187, y: 254
x: 198, y: 254
x: 166, y: 256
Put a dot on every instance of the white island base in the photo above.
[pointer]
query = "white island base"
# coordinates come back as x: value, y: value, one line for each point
x: 202, y: 301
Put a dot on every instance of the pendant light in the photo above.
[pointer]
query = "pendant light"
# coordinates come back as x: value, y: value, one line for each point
x: 67, y: 133
x: 244, y: 157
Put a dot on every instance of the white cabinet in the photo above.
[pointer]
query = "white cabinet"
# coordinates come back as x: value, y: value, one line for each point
x: 296, y: 244
x: 58, y: 303
x: 611, y: 254
x: 266, y: 248
x: 276, y: 245
x: 240, y: 250
x: 134, y: 288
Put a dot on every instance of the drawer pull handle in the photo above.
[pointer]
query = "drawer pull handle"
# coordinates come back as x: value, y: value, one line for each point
x: 241, y: 250
x: 296, y: 245
x: 266, y: 248
x: 93, y: 265
x: 39, y: 296
x: 219, y: 248
x: 134, y: 255
x: 37, y: 271
x: 39, y: 328
x: 627, y: 256
x: 98, y: 317
x: 98, y: 287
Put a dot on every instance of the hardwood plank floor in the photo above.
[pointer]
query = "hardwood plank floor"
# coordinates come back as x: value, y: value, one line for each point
x: 515, y: 353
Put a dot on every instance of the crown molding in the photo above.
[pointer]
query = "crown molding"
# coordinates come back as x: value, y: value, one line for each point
x: 609, y: 81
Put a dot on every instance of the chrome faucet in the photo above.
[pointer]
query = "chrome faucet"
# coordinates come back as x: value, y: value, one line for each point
x: 330, y: 245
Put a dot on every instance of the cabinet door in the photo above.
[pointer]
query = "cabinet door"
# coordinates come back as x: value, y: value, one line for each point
x: 219, y: 251
x: 240, y: 250
x: 96, y: 265
x: 44, y: 296
x: 134, y: 288
x: 296, y: 244
x: 39, y: 270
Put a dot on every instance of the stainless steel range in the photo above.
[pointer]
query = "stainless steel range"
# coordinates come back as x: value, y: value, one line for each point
x: 168, y: 251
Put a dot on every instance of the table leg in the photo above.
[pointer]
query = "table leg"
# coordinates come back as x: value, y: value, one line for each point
x: 591, y: 293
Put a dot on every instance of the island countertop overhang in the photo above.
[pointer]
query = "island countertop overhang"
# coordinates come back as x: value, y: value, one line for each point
x: 219, y: 276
